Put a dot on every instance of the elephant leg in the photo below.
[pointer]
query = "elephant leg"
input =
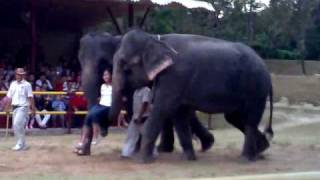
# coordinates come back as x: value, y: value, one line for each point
x: 236, y: 119
x: 167, y: 137
x: 183, y: 128
x: 152, y: 128
x: 206, y: 138
x: 255, y: 142
x: 165, y: 106
x: 85, y: 150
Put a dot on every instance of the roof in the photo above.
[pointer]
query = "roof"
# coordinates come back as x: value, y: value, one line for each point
x: 75, y: 14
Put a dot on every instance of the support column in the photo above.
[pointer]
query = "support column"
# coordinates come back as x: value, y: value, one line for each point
x: 130, y: 15
x: 33, y: 36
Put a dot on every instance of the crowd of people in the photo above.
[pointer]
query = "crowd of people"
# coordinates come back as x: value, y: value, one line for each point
x: 21, y: 100
x: 50, y: 78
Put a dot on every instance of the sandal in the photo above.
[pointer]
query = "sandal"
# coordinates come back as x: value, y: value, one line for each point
x: 78, y: 146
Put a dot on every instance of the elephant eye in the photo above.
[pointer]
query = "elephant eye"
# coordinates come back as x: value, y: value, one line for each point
x: 127, y: 71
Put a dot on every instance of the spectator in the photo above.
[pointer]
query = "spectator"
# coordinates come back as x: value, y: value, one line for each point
x: 43, y: 80
x: 59, y: 83
x: 77, y: 84
x: 58, y: 105
x: 40, y: 103
x: 7, y: 80
x: 31, y: 80
x: 77, y: 103
x: 3, y: 102
x: 3, y: 86
x: 68, y: 84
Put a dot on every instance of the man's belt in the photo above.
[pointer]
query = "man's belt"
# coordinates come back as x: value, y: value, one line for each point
x: 16, y: 106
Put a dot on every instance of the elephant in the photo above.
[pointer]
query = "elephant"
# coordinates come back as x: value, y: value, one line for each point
x: 194, y: 72
x: 95, y: 55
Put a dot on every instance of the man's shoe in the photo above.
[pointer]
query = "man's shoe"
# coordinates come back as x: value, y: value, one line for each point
x: 20, y: 147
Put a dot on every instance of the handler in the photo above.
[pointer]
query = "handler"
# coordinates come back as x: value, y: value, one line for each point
x: 21, y: 98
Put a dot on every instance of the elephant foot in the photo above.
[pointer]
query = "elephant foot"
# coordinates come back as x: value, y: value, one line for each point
x: 255, y: 144
x: 262, y: 144
x: 206, y: 145
x: 248, y: 159
x: 165, y: 149
x: 190, y: 156
x: 84, y: 150
x: 144, y: 159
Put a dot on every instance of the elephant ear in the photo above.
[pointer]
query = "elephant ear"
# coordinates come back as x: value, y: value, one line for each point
x: 157, y: 57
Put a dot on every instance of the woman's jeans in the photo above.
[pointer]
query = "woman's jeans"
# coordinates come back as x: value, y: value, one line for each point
x: 98, y: 114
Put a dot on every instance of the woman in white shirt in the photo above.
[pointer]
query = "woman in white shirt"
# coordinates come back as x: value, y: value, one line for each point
x: 97, y: 118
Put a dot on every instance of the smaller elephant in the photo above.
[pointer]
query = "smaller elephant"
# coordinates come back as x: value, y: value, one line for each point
x: 192, y: 72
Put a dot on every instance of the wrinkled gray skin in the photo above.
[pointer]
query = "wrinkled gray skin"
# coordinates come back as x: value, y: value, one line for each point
x: 95, y: 55
x: 189, y: 73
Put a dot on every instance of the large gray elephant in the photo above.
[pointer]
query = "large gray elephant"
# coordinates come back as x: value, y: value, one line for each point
x: 192, y: 72
x: 95, y: 55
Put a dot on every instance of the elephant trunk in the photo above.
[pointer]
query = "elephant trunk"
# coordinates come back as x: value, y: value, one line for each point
x: 117, y: 90
x: 90, y: 83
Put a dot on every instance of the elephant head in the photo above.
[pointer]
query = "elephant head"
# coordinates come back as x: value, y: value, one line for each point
x: 95, y: 55
x: 141, y: 57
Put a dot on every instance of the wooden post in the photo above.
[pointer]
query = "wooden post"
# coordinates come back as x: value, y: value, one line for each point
x: 7, y: 124
x: 33, y: 36
x: 130, y: 15
x: 210, y: 121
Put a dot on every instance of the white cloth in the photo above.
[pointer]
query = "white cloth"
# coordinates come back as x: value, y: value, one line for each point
x: 106, y: 92
x: 39, y: 83
x: 43, y: 122
x: 19, y: 92
x: 20, y: 118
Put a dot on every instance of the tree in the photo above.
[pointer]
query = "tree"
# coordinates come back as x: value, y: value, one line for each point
x: 312, y: 36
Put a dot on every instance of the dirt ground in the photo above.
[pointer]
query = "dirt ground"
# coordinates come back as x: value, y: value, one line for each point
x: 298, y: 89
x: 295, y: 148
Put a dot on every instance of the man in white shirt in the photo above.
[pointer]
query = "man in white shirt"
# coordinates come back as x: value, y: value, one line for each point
x: 20, y: 98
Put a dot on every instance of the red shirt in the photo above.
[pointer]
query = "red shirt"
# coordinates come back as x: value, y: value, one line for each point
x: 59, y: 85
x: 79, y: 102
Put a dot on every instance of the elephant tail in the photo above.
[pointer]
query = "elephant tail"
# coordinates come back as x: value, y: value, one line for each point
x: 268, y: 130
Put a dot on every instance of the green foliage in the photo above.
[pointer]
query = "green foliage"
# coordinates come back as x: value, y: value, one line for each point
x: 285, y: 54
x: 312, y: 43
x: 312, y: 36
x: 281, y: 29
